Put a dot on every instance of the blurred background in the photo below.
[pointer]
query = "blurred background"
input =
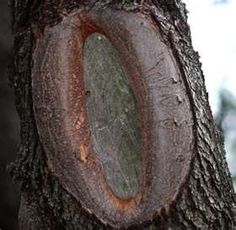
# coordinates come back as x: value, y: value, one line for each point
x: 9, y: 126
x: 214, y: 37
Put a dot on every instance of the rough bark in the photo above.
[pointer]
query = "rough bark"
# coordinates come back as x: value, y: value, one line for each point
x: 205, y: 198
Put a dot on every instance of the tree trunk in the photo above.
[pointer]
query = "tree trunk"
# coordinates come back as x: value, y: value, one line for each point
x: 169, y: 173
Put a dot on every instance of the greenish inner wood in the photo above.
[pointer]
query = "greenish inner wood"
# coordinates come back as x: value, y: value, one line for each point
x: 113, y: 116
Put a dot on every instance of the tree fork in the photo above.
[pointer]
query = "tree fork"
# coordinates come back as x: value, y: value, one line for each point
x: 178, y: 178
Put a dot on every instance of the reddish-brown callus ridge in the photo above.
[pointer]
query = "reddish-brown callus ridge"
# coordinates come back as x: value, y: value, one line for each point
x: 165, y: 118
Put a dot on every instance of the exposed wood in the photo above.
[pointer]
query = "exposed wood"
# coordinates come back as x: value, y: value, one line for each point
x: 113, y: 116
x: 183, y: 180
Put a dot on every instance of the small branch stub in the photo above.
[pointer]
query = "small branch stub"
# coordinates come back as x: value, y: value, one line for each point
x: 116, y: 128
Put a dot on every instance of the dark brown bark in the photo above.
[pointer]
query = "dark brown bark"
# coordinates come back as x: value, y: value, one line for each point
x: 200, y: 193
